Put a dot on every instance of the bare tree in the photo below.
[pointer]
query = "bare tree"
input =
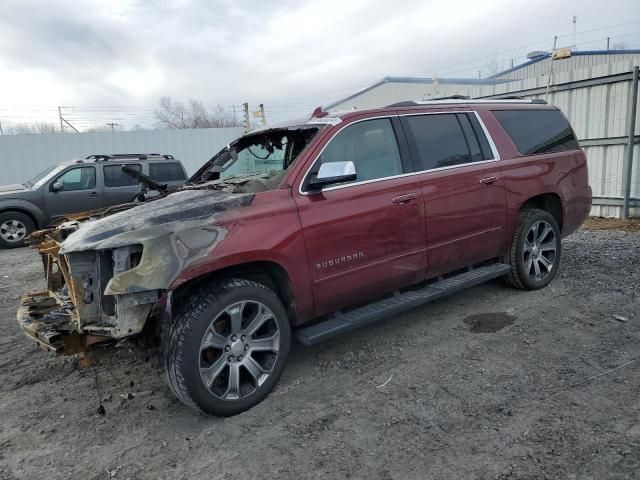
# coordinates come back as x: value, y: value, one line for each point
x: 99, y: 129
x: 619, y: 46
x: 176, y: 114
x: 493, y: 66
x: 33, y: 129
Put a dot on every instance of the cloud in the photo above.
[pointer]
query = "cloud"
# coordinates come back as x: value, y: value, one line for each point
x: 282, y: 52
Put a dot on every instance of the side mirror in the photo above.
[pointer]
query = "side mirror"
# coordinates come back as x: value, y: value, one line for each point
x: 333, y: 172
x: 57, y: 186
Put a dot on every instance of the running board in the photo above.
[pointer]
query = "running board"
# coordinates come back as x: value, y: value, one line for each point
x: 343, y: 322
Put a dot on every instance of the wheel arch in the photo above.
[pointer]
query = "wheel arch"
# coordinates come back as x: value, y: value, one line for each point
x: 550, y: 202
x: 266, y: 272
x: 37, y: 217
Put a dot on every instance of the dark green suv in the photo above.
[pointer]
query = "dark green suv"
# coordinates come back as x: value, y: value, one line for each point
x: 98, y: 181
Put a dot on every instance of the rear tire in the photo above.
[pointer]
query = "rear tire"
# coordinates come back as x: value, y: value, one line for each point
x: 227, y: 347
x: 534, y: 255
x: 15, y: 227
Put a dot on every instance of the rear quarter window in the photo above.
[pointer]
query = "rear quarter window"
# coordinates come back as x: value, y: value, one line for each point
x: 166, y: 172
x: 538, y: 131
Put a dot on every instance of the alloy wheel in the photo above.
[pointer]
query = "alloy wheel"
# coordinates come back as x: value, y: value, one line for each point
x: 13, y: 231
x: 540, y: 246
x: 238, y: 350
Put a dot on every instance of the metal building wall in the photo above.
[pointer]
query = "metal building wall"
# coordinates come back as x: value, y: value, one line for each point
x: 575, y: 62
x: 24, y: 156
x: 596, y: 100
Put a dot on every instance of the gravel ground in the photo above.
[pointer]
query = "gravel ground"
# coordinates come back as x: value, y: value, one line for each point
x: 478, y: 385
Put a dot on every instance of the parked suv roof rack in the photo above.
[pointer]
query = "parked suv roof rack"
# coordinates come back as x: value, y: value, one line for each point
x: 101, y: 157
x: 456, y: 99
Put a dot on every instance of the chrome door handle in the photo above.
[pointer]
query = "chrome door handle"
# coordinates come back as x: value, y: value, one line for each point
x: 489, y: 180
x: 94, y: 194
x: 404, y: 198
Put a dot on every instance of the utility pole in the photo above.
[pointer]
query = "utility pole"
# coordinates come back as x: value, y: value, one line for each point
x: 479, y: 74
x: 628, y: 161
x: 550, y: 71
x: 60, y: 117
x: 264, y: 120
x: 608, y: 41
x: 512, y: 63
x: 574, y: 32
x: 112, y: 125
x: 245, y: 117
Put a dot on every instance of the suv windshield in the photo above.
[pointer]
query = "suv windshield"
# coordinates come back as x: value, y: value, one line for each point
x: 267, y: 153
x: 42, y: 177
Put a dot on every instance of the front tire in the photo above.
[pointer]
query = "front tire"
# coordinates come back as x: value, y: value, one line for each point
x: 227, y: 347
x: 534, y: 255
x: 15, y: 227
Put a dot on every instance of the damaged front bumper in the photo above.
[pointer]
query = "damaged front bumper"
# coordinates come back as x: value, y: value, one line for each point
x: 74, y: 313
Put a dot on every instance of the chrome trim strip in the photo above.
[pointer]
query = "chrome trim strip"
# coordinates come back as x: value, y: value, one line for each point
x: 492, y: 145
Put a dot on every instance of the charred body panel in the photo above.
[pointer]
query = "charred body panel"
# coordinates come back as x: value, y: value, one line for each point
x: 105, y: 276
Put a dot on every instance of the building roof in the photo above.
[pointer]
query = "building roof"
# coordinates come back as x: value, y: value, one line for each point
x: 492, y: 80
x: 422, y: 80
x: 574, y: 53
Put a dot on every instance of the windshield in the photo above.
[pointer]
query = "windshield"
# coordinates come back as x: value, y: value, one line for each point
x: 269, y: 152
x: 42, y: 177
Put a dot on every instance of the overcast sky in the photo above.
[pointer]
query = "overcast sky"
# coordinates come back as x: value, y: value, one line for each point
x: 286, y: 54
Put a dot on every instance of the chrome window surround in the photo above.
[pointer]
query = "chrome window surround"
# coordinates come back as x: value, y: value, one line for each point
x: 492, y: 145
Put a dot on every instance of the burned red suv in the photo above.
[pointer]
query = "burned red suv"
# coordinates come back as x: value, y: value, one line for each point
x: 312, y: 229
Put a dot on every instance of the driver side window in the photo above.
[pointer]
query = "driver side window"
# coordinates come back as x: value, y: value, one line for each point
x: 80, y: 178
x: 371, y: 146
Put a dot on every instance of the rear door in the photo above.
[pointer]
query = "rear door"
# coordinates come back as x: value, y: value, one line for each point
x: 118, y: 186
x: 462, y: 189
x: 80, y: 191
x: 365, y: 237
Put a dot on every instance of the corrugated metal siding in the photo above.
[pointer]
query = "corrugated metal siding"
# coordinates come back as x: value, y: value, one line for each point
x: 576, y: 62
x: 24, y: 156
x: 598, y: 113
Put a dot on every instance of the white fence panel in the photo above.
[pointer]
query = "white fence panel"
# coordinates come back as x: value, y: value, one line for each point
x: 24, y: 156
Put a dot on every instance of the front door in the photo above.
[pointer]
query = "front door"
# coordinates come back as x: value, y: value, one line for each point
x: 365, y: 237
x: 75, y: 190
x: 462, y: 189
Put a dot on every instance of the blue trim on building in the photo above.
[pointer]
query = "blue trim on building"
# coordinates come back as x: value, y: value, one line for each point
x: 421, y: 80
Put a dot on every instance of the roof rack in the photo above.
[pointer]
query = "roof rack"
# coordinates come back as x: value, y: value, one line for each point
x: 101, y: 157
x: 456, y: 100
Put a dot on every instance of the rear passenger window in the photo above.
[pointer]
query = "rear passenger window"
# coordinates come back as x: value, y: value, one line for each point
x: 440, y: 140
x: 538, y: 131
x: 371, y: 145
x: 166, y: 172
x: 115, y: 177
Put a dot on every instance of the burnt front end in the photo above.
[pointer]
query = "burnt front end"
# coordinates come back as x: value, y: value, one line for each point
x: 106, y: 272
x: 75, y: 312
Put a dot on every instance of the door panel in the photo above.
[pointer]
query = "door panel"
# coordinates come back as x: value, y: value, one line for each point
x: 360, y: 243
x: 465, y: 217
x: 462, y: 189
x: 367, y: 237
x: 80, y: 192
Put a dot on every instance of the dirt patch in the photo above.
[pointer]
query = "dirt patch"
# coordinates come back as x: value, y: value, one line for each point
x: 416, y: 396
x: 489, y: 322
x: 601, y: 223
